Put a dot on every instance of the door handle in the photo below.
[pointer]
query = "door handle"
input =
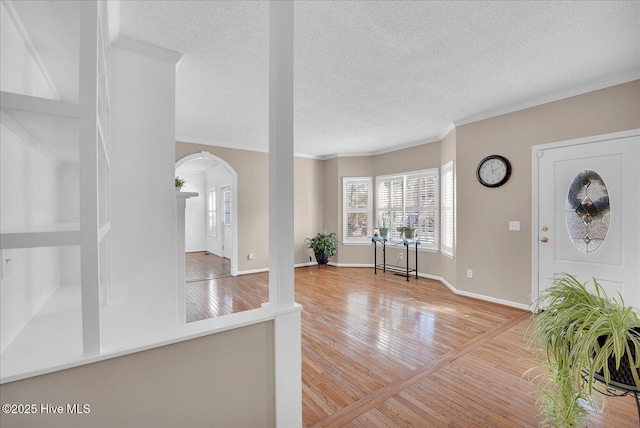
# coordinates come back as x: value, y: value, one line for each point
x: 544, y: 239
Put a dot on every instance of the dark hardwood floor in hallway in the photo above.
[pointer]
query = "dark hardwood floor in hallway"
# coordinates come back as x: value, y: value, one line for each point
x: 380, y: 351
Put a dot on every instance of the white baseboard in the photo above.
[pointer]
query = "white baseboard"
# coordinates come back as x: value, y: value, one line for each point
x: 420, y: 274
x: 354, y: 265
x: 250, y: 271
x: 475, y: 295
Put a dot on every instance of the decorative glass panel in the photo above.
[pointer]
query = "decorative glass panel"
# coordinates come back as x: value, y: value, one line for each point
x: 587, y: 211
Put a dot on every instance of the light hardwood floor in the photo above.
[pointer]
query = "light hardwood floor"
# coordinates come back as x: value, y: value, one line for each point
x: 380, y: 351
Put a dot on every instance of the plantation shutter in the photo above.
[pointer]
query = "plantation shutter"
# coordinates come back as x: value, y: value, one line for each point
x: 357, y: 209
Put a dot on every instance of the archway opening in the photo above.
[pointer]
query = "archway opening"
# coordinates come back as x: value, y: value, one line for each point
x: 211, y: 217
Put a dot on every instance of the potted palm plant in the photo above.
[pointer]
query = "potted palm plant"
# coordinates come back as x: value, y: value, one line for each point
x: 324, y: 245
x: 581, y: 336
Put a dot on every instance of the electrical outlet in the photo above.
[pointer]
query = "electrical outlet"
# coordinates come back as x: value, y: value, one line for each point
x: 469, y: 273
x: 514, y: 225
x: 401, y: 256
x: 250, y: 256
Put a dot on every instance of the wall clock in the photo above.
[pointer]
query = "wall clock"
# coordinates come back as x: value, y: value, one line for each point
x: 493, y: 171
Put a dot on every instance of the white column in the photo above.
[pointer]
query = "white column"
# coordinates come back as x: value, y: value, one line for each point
x: 287, y: 329
x: 281, y: 154
x: 88, y: 152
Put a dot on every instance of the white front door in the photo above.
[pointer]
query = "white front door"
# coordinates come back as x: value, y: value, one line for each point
x: 588, y: 215
x: 227, y: 239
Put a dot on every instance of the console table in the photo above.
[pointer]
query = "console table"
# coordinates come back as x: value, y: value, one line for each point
x: 405, y: 271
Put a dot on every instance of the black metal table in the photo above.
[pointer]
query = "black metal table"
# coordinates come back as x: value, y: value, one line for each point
x: 405, y: 271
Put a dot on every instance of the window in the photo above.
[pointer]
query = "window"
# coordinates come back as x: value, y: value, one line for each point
x: 447, y: 218
x: 226, y: 198
x: 356, y: 221
x: 212, y: 224
x: 410, y: 199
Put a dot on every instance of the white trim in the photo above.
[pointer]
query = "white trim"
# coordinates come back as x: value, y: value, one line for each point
x: 352, y: 265
x: 234, y: 200
x: 536, y: 153
x: 252, y: 271
x: 474, y: 295
x: 448, y: 251
x: 24, y: 35
x: 147, y: 49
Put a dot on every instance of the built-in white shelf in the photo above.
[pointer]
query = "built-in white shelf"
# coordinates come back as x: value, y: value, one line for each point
x: 50, y: 124
x: 54, y: 235
x: 28, y: 103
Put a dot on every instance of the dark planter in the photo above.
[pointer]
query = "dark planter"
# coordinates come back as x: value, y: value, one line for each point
x: 622, y: 377
x: 322, y: 258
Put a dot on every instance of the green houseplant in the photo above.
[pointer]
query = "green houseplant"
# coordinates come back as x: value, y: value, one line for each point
x: 580, y: 336
x: 383, y: 228
x: 406, y: 231
x: 324, y: 245
x: 180, y: 182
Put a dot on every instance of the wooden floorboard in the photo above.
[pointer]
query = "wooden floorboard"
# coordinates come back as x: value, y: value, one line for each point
x: 378, y: 350
x: 201, y: 265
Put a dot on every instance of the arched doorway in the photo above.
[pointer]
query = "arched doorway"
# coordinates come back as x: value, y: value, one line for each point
x: 227, y: 216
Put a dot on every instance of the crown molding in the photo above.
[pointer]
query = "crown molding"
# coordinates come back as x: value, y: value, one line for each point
x: 147, y: 49
x: 551, y: 97
x: 26, y: 39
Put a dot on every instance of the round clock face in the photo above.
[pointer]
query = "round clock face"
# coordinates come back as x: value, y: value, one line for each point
x: 493, y: 171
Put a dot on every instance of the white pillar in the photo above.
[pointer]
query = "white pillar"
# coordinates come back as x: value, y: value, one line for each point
x: 287, y: 328
x: 281, y: 154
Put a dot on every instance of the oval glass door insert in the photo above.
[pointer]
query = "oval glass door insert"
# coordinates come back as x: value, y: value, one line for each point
x: 587, y: 211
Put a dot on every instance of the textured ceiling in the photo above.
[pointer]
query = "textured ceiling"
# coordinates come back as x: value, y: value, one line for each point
x: 371, y: 76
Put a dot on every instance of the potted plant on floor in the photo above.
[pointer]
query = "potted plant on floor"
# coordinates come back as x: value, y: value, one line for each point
x: 324, y: 245
x: 581, y: 336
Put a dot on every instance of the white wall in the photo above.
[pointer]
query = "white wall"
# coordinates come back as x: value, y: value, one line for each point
x: 143, y: 192
x: 196, y: 210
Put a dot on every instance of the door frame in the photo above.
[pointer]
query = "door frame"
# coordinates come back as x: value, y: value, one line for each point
x: 535, y: 227
x: 234, y: 200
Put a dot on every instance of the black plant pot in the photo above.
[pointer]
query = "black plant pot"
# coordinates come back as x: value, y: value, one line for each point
x: 322, y: 258
x: 622, y: 377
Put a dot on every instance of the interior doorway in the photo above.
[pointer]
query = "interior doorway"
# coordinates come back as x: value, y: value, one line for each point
x: 207, y: 230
